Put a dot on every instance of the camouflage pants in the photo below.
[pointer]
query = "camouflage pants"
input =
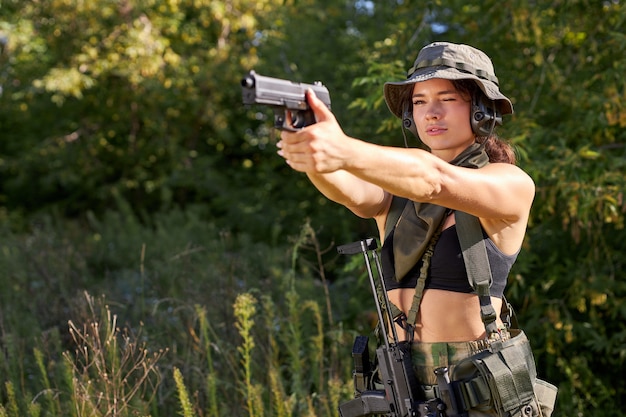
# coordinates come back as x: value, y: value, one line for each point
x: 427, y: 357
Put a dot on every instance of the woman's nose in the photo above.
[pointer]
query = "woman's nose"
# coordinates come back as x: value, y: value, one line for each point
x: 433, y: 111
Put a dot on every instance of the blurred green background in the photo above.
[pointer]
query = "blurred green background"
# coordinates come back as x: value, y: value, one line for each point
x: 157, y: 258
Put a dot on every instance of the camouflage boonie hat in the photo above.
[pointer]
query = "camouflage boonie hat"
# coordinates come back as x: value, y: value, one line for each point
x: 451, y: 62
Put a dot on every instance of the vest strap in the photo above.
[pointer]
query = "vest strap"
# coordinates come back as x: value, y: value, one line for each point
x: 477, y: 266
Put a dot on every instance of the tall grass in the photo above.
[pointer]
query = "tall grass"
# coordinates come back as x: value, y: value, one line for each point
x: 173, y: 318
x: 183, y: 395
x: 245, y: 308
x: 113, y: 372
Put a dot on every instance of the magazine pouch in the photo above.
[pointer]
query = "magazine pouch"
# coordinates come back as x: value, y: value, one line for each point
x: 504, y: 378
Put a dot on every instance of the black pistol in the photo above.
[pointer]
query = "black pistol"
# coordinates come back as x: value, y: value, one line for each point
x: 288, y: 98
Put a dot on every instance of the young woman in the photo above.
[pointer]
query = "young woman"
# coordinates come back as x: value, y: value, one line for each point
x: 451, y: 100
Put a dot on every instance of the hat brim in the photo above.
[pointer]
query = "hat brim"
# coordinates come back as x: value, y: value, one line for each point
x: 394, y: 90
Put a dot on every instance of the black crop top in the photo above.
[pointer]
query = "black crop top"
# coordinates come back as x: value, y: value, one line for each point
x: 447, y: 268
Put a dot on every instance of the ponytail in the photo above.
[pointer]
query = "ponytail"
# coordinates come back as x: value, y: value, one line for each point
x: 497, y: 149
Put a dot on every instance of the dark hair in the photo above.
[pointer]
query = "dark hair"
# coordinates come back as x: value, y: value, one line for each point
x: 497, y: 149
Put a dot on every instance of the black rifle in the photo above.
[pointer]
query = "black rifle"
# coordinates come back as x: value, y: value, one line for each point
x: 288, y: 98
x: 402, y: 395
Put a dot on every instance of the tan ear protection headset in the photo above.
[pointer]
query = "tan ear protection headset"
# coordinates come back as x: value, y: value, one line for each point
x: 484, y: 115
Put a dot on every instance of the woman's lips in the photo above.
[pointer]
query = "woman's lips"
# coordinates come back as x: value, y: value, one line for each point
x: 435, y: 130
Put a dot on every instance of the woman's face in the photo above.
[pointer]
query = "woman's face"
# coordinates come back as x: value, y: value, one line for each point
x: 442, y: 117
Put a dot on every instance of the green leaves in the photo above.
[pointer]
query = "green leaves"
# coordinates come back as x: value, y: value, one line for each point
x: 106, y: 101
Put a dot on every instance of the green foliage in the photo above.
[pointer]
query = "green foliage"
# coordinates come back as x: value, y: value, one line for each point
x: 112, y: 112
x: 187, y: 298
x: 146, y: 116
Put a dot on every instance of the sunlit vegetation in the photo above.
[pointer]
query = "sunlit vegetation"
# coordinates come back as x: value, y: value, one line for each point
x: 157, y: 258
